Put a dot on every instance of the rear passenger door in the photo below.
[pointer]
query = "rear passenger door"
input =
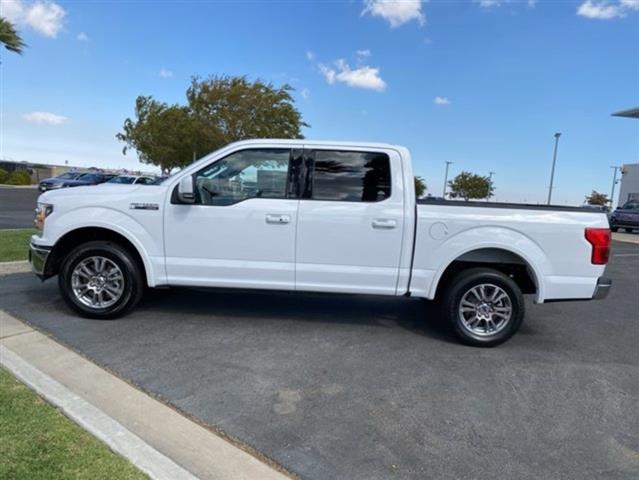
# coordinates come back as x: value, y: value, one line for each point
x: 350, y: 221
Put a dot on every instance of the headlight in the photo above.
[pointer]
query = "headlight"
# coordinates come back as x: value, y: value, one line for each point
x: 41, y: 212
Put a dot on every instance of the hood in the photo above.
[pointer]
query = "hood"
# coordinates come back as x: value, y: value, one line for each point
x: 95, y: 192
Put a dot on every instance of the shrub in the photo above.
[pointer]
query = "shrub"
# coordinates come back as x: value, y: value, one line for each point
x: 19, y: 177
x: 4, y: 175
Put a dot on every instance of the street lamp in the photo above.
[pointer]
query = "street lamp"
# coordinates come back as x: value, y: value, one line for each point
x: 446, y: 178
x: 614, y: 182
x: 554, y: 161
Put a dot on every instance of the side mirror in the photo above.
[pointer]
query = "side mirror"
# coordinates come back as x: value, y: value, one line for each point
x: 186, y: 193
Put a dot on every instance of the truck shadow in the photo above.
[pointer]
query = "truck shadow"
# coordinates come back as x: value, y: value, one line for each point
x: 413, y: 314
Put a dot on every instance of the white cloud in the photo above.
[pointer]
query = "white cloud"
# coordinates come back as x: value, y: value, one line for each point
x: 600, y: 10
x: 396, y: 12
x: 46, y: 118
x: 531, y: 3
x: 441, y: 101
x: 310, y: 55
x: 45, y: 17
x: 631, y: 4
x: 362, y: 77
x: 363, y: 53
x: 488, y: 3
x: 164, y: 73
x: 82, y: 37
x: 305, y: 93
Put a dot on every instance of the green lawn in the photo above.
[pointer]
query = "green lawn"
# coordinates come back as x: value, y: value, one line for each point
x: 39, y: 442
x: 14, y: 244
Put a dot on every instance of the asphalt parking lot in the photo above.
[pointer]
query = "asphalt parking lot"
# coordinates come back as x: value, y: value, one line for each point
x: 16, y: 206
x: 366, y: 387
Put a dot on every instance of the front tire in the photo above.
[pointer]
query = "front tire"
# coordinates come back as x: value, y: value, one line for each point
x: 484, y: 307
x: 100, y: 280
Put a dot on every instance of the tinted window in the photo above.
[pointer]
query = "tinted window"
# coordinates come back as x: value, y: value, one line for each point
x: 146, y: 181
x: 127, y: 180
x: 631, y: 206
x: 89, y: 177
x: 351, y: 176
x: 68, y: 176
x: 242, y: 175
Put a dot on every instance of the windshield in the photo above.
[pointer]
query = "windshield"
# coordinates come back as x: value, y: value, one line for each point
x: 631, y: 206
x: 69, y: 176
x: 122, y: 179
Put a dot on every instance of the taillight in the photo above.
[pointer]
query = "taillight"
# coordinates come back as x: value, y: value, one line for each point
x: 599, y: 238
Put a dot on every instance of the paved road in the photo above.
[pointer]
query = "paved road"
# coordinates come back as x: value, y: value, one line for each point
x: 372, y: 388
x: 16, y: 207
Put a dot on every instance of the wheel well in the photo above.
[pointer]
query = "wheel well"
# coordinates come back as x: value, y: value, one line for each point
x: 507, y: 262
x: 77, y: 237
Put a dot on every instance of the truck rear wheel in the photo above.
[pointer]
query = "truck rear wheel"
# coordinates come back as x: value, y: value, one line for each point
x: 484, y: 306
x: 100, y: 280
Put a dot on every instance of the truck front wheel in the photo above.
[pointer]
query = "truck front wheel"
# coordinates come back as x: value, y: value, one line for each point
x: 100, y: 280
x: 484, y: 306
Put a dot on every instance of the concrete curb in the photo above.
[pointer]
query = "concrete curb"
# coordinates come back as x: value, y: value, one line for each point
x: 118, y: 438
x: 7, y: 268
x: 151, y: 427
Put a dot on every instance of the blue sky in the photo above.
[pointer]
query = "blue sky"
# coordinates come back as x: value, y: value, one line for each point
x: 484, y: 84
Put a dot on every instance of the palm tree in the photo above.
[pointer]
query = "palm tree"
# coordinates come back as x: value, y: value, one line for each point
x: 9, y: 37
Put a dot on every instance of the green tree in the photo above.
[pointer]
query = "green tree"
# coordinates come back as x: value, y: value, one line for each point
x: 19, y: 177
x: 468, y: 185
x: 596, y: 198
x: 420, y: 187
x: 4, y: 175
x: 9, y: 37
x: 219, y: 110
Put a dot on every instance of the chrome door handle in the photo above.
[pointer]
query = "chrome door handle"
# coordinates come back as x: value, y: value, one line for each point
x: 384, y: 223
x: 280, y: 219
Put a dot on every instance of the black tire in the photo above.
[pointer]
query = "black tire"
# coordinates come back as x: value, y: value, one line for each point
x: 614, y: 229
x: 628, y: 230
x: 462, y: 284
x: 132, y: 279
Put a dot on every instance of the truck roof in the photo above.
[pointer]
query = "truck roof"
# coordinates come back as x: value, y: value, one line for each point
x: 307, y: 141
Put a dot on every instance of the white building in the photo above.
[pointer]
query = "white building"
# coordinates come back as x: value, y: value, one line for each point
x: 629, y: 183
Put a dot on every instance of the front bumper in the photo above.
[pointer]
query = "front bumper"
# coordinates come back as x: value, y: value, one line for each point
x: 602, y: 289
x: 38, y: 255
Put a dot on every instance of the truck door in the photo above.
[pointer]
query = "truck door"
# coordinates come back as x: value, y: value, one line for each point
x: 350, y: 221
x: 241, y: 230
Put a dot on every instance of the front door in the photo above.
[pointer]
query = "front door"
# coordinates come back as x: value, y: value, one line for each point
x: 241, y: 230
x: 350, y: 222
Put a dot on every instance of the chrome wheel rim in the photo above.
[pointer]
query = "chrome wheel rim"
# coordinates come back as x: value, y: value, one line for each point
x: 485, y: 310
x: 97, y: 282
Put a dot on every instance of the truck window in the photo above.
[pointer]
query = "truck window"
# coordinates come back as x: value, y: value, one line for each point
x: 257, y: 173
x: 351, y: 176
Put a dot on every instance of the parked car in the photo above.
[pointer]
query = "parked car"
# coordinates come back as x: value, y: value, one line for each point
x: 57, y: 182
x: 626, y: 217
x: 133, y: 180
x: 318, y: 217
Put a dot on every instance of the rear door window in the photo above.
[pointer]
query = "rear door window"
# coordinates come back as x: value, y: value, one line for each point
x: 349, y: 176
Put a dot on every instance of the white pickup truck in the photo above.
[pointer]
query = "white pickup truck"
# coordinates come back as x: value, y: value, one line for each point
x: 317, y: 217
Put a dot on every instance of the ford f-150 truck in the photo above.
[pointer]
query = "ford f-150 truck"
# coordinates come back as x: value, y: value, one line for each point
x: 317, y: 217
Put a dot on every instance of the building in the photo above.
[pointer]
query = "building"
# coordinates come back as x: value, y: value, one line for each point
x: 36, y: 171
x: 629, y: 183
x: 629, y: 173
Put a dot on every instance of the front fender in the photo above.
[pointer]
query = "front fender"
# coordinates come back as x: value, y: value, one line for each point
x: 146, y: 237
x: 502, y: 238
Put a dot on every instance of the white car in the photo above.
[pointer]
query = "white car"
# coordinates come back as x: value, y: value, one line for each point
x: 317, y: 217
x: 132, y: 180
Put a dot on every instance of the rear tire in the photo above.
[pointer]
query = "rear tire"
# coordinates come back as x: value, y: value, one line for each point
x: 628, y: 230
x: 101, y: 280
x: 484, y: 307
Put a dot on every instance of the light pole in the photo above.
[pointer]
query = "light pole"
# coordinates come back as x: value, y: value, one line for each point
x: 554, y: 161
x: 490, y: 183
x: 614, y: 182
x: 446, y: 178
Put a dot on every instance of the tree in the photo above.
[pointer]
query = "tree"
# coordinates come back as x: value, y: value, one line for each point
x: 468, y: 185
x: 420, y: 187
x: 9, y: 37
x: 219, y: 110
x: 596, y: 198
x: 19, y: 177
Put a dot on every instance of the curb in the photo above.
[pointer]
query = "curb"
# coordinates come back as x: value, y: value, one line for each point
x: 21, y: 266
x: 119, y: 439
